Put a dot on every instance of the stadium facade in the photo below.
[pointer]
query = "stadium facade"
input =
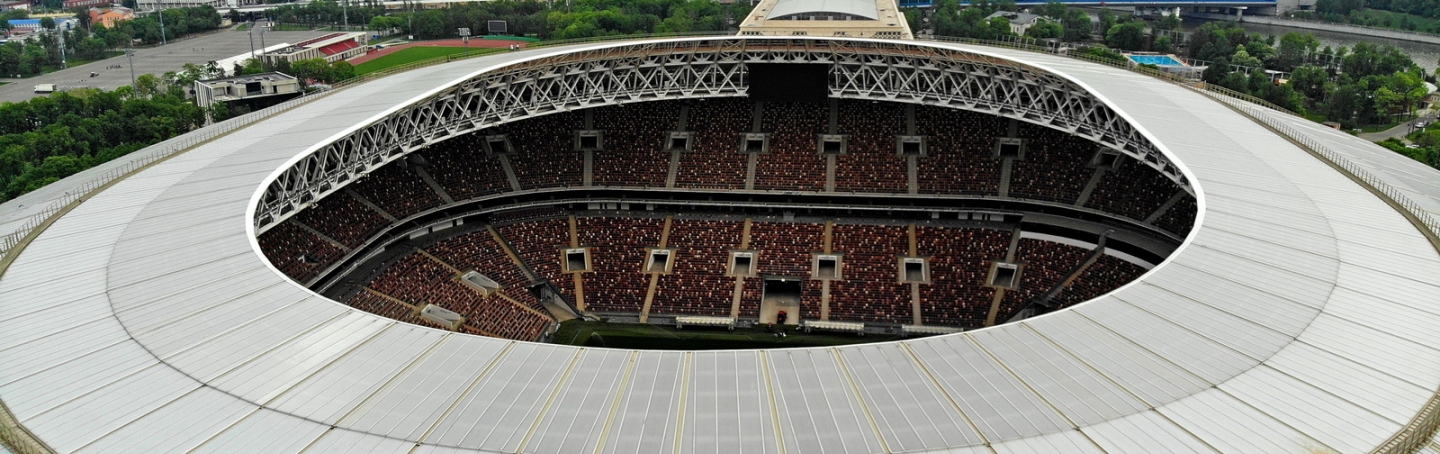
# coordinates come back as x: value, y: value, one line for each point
x: 1298, y: 316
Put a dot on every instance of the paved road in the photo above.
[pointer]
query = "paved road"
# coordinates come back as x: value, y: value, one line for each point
x: 1400, y: 130
x: 156, y: 60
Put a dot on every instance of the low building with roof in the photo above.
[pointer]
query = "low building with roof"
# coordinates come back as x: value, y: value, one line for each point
x: 1019, y: 22
x: 107, y: 17
x: 254, y: 90
x: 10, y: 5
x: 846, y: 18
x: 332, y: 47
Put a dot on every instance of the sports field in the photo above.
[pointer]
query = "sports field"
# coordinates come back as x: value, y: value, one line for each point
x: 414, y: 54
x: 655, y: 337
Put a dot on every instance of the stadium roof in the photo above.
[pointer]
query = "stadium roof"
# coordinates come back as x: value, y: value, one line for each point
x: 1298, y: 317
x: 860, y: 8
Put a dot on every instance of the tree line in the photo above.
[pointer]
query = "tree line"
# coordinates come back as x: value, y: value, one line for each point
x: 544, y: 20
x: 51, y: 137
x: 1412, y: 15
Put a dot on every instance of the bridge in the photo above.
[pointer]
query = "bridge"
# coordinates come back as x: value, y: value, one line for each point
x: 1267, y: 6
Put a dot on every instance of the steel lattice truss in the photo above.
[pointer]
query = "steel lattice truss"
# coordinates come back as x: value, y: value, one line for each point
x: 705, y: 68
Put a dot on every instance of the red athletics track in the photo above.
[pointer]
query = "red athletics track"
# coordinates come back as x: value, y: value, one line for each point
x: 476, y: 43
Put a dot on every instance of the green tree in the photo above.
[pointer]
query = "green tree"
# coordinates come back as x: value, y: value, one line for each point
x: 1045, y: 30
x: 1127, y: 36
x: 1078, y: 26
x: 1310, y: 81
x: 1294, y: 50
x: 1105, y: 20
x: 998, y: 27
x: 1054, y: 10
x: 1169, y: 22
x: 1163, y: 44
x: 147, y: 85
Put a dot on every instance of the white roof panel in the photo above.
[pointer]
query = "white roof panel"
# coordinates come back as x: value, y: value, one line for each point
x: 862, y: 8
x: 1073, y: 388
x: 497, y: 413
x: 999, y: 405
x: 728, y: 409
x: 909, y: 407
x: 810, y: 382
x: 1321, y: 415
x: 410, y: 404
x: 1067, y: 442
x: 78, y: 421
x: 210, y: 410
x: 341, y: 385
x: 1230, y: 426
x: 645, y: 417
x: 588, y: 393
x: 1142, y: 433
x: 264, y: 431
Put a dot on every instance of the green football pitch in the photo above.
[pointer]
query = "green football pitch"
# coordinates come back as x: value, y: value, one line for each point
x: 657, y: 337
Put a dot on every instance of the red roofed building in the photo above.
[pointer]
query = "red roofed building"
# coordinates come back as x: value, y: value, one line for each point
x: 332, y: 47
x: 107, y: 17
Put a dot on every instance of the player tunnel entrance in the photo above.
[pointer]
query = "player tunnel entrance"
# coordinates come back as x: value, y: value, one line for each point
x: 782, y: 296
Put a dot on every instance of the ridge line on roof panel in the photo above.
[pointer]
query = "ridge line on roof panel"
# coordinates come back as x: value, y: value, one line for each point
x: 1227, y: 311
x: 1388, y: 299
x: 177, y: 318
x: 1138, y: 345
x: 1087, y: 364
x: 763, y: 358
x: 65, y: 361
x: 859, y: 398
x: 913, y: 358
x: 1324, y: 390
x: 681, y: 407
x: 1382, y: 332
x: 1187, y: 328
x: 232, y: 425
x: 401, y: 372
x: 468, y: 389
x: 545, y: 409
x: 1022, y: 381
x: 246, y: 324
x: 615, y: 403
x: 286, y: 388
x: 866, y: 369
x: 314, y: 328
x: 97, y: 388
x: 197, y: 388
x: 1221, y: 389
x: 110, y: 285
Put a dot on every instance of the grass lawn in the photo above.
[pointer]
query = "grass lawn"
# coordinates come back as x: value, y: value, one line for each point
x: 1379, y: 127
x: 655, y: 337
x: 413, y: 54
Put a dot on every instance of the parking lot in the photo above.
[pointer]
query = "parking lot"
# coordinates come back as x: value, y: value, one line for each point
x: 115, y: 72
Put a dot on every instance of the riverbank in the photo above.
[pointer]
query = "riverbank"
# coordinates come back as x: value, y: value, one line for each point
x: 1397, y: 35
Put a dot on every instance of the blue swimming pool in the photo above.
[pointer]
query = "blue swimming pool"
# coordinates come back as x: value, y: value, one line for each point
x: 1157, y: 60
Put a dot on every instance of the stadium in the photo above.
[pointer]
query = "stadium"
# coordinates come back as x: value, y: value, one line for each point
x: 1045, y: 254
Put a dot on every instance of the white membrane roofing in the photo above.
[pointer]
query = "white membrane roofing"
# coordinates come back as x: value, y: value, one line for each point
x: 1298, y: 318
x: 860, y: 8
